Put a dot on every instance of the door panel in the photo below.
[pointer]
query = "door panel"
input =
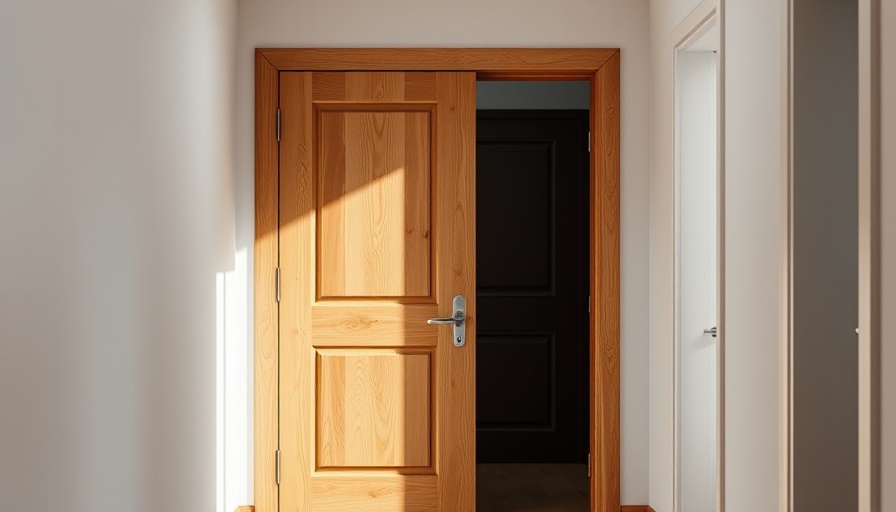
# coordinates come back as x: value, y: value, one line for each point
x: 520, y: 395
x: 516, y: 188
x: 374, y: 179
x: 374, y: 408
x: 377, y: 235
x: 532, y: 284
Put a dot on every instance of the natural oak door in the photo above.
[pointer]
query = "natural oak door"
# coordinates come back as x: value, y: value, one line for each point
x: 376, y: 236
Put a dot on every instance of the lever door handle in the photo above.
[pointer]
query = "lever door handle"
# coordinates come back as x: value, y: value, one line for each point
x: 712, y: 331
x: 445, y: 321
x: 458, y: 320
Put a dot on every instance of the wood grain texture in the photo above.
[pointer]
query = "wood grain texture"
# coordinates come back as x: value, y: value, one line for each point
x: 245, y: 508
x: 406, y: 493
x: 297, y: 239
x: 384, y: 326
x: 456, y: 492
x: 605, y: 454
x: 635, y: 508
x: 456, y: 178
x: 373, y: 408
x: 374, y: 179
x: 266, y: 354
x: 566, y: 62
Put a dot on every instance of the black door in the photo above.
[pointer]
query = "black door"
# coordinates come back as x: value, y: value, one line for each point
x: 532, y: 286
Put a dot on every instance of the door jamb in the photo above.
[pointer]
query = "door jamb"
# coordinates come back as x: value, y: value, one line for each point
x: 600, y: 66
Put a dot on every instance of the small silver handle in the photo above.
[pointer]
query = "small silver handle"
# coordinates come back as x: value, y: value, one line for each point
x: 458, y: 320
x: 712, y: 331
x: 444, y: 321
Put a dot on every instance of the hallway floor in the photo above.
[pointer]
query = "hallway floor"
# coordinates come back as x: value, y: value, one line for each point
x: 531, y: 488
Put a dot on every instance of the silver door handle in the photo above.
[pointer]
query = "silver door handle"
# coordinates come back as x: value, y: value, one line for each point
x: 444, y: 321
x: 458, y: 320
x: 712, y: 331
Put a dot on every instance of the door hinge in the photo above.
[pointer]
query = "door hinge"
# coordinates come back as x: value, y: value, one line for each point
x: 278, y: 467
x: 589, y: 136
x: 589, y: 304
x: 278, y: 284
x: 589, y: 466
x: 278, y: 126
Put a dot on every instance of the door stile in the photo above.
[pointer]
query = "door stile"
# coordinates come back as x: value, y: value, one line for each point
x: 297, y: 235
x: 457, y: 248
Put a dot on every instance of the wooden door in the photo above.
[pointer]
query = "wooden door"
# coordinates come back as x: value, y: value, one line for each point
x: 376, y: 237
x: 532, y: 286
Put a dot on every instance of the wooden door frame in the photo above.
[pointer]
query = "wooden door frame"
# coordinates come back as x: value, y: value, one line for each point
x: 600, y: 66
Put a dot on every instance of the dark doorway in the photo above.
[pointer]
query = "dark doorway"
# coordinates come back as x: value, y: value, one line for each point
x: 532, y: 286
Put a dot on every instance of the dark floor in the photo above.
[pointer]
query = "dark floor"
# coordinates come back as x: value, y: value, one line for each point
x: 531, y: 488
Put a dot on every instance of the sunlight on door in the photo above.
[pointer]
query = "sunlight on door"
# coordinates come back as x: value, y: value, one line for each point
x: 374, y: 185
x: 375, y: 405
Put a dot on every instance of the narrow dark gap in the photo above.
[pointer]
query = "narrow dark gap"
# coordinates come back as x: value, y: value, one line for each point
x: 532, y: 373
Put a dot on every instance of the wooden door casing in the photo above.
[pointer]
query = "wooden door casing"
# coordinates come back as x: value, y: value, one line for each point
x: 376, y: 236
x: 601, y: 66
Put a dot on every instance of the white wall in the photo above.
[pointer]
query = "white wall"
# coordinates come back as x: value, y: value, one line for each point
x: 753, y: 48
x: 755, y: 251
x: 825, y: 255
x: 697, y: 281
x: 115, y: 215
x: 466, y: 23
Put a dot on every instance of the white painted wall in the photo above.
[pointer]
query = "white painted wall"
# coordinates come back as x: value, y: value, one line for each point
x: 753, y: 49
x: 825, y: 255
x: 466, y: 23
x: 755, y: 251
x: 115, y: 216
x: 697, y: 284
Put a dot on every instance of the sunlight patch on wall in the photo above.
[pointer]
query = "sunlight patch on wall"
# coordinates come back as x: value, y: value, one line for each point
x: 234, y: 387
